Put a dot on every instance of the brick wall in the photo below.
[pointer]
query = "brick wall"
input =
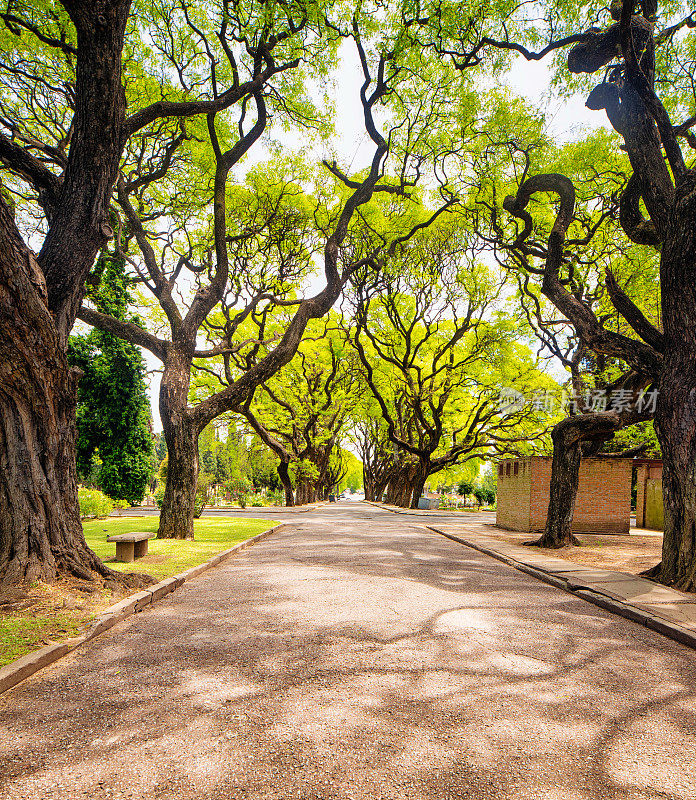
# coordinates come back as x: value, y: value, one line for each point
x: 513, y: 494
x: 603, y: 503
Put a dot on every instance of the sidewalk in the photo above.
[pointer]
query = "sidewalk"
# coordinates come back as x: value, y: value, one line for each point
x: 658, y: 607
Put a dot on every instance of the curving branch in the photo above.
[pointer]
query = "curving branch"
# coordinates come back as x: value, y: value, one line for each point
x: 189, y: 108
x: 638, y: 229
x: 20, y: 161
x: 639, y: 355
x: 633, y: 315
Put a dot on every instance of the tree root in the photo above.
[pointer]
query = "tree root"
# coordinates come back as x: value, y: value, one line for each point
x: 685, y: 584
x: 83, y: 565
x: 553, y: 544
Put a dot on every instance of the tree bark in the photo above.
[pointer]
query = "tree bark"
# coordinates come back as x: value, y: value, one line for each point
x: 40, y: 530
x: 418, y: 487
x: 565, y: 473
x: 181, y: 436
x: 675, y: 420
x: 284, y: 475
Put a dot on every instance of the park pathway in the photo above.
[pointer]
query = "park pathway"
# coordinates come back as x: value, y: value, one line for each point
x: 354, y: 655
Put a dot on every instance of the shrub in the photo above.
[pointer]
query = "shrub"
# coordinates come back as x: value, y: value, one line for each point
x: 94, y: 503
x: 258, y: 500
x: 119, y: 505
x: 159, y: 493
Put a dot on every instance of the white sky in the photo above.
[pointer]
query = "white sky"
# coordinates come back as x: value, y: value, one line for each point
x: 567, y: 121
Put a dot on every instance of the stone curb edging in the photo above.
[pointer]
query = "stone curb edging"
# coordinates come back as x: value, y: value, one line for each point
x: 627, y: 610
x: 421, y: 512
x: 230, y: 509
x: 17, y: 671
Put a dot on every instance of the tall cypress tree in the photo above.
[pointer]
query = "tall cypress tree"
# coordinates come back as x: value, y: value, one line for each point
x: 114, y: 441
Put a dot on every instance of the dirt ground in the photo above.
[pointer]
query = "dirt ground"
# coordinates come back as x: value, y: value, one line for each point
x: 632, y: 553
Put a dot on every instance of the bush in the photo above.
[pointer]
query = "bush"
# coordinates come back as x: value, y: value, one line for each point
x: 258, y: 500
x: 276, y: 498
x: 119, y: 505
x: 94, y: 503
x: 159, y: 493
x: 238, y: 488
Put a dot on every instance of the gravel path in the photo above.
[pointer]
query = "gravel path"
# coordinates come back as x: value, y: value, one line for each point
x: 354, y: 656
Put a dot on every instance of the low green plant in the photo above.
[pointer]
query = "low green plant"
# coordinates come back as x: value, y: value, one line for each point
x: 94, y: 503
x: 159, y: 493
x: 119, y: 505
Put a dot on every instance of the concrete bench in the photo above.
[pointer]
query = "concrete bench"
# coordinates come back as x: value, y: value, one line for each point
x: 130, y: 546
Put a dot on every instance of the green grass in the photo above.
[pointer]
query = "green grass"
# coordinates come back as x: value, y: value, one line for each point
x: 21, y: 634
x: 25, y: 630
x: 167, y: 557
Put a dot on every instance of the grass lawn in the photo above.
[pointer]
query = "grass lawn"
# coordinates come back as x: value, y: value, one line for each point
x: 34, y: 616
x: 167, y: 557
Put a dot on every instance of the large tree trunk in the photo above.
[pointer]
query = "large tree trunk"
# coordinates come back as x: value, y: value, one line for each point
x: 305, y: 492
x: 401, y: 486
x: 40, y: 530
x: 181, y: 436
x: 675, y: 420
x: 565, y: 473
x: 573, y: 438
x: 419, y: 484
x: 284, y: 475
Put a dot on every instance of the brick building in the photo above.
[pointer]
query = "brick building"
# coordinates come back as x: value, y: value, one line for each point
x: 649, y: 506
x: 603, y: 503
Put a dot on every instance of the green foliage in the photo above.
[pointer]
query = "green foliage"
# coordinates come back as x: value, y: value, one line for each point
x: 94, y: 503
x: 159, y: 493
x: 239, y: 488
x: 205, y: 482
x: 465, y: 488
x: 114, y: 440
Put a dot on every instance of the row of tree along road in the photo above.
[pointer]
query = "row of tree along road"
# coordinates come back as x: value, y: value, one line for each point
x: 171, y: 150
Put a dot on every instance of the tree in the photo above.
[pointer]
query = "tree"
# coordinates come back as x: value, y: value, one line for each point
x: 113, y: 408
x: 66, y: 120
x: 435, y: 359
x: 637, y: 50
x: 300, y: 414
x: 274, y: 49
x: 379, y: 455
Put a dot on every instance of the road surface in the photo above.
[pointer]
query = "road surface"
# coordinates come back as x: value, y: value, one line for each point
x: 354, y: 655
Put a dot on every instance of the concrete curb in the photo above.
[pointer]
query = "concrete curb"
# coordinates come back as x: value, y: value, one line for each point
x: 24, y: 667
x: 422, y: 512
x: 627, y: 610
x: 234, y: 509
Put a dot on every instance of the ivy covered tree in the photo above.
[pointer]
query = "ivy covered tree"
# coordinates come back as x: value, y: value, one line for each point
x: 114, y: 425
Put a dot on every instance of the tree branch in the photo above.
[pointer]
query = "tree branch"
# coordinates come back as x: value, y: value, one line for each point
x: 124, y: 330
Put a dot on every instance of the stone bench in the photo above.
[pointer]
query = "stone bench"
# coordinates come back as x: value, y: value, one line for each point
x: 130, y: 546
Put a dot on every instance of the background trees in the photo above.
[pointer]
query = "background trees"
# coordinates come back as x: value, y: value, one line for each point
x: 301, y: 413
x: 639, y: 48
x: 435, y: 354
x: 130, y: 124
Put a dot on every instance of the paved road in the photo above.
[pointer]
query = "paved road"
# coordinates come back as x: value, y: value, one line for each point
x: 354, y: 656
